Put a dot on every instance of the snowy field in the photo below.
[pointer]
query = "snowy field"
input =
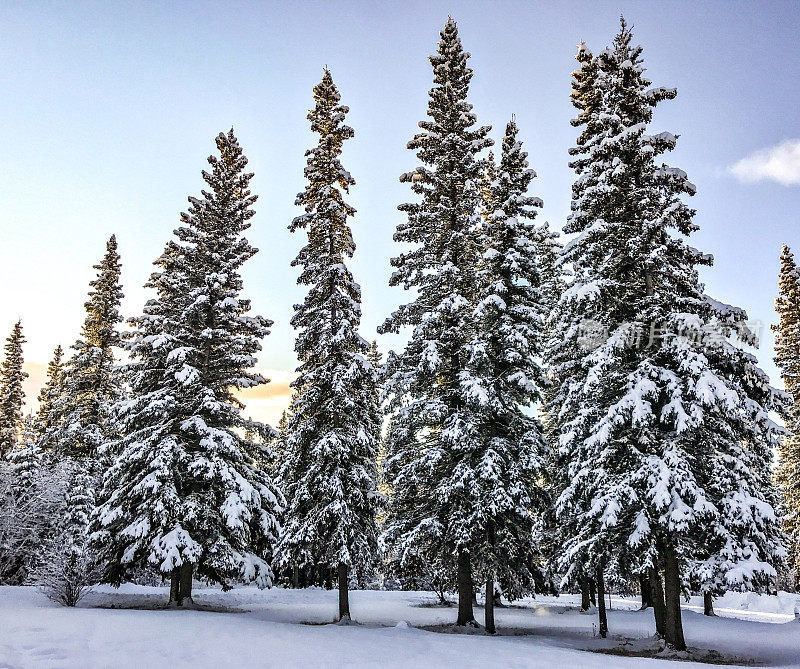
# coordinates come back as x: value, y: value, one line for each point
x: 247, y: 627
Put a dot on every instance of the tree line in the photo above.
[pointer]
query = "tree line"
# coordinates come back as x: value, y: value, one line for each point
x: 575, y: 414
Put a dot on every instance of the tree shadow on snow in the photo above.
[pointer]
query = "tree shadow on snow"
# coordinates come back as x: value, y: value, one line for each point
x: 146, y: 602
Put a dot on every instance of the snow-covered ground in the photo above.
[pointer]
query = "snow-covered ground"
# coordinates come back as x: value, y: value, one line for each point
x: 282, y: 628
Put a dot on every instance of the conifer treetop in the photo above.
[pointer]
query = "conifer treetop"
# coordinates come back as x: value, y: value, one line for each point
x: 51, y: 390
x: 787, y: 330
x: 12, y: 394
x: 77, y: 421
x: 53, y: 372
x: 102, y: 307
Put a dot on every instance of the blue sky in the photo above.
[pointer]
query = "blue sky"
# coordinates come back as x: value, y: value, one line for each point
x: 110, y: 109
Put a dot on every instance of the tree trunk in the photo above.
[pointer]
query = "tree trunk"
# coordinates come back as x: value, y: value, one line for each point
x: 489, y: 607
x: 593, y: 591
x: 498, y: 601
x: 295, y: 576
x: 585, y: 602
x: 708, y: 604
x: 647, y: 597
x: 672, y: 599
x: 185, y: 584
x: 441, y: 591
x: 657, y: 597
x: 174, y: 586
x: 601, y: 603
x: 344, y: 598
x: 465, y: 614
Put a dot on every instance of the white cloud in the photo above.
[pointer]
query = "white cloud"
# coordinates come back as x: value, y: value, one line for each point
x: 779, y: 163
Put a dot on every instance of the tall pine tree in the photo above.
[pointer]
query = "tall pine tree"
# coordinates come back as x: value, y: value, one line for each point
x: 787, y: 357
x: 184, y: 496
x: 433, y: 463
x: 12, y: 395
x: 79, y: 421
x: 661, y: 418
x: 507, y: 377
x: 329, y: 471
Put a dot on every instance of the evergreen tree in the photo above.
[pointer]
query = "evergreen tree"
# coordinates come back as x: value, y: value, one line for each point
x: 12, y: 396
x: 787, y: 357
x: 787, y: 330
x: 506, y: 374
x: 433, y: 464
x: 586, y: 97
x: 50, y: 392
x: 278, y: 443
x: 26, y: 458
x: 79, y: 417
x: 329, y: 471
x: 184, y: 495
x: 661, y: 418
x: 375, y: 359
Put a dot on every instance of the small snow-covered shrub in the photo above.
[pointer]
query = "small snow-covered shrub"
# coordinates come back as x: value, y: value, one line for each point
x: 31, y: 498
x: 64, y: 565
x: 66, y: 572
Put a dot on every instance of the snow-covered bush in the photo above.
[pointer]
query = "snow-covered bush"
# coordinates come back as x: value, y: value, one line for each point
x: 66, y: 573
x: 31, y: 494
x: 66, y: 566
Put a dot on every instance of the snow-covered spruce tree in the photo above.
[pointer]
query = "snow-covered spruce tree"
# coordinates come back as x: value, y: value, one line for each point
x: 79, y: 417
x: 505, y: 376
x: 26, y: 457
x: 12, y: 396
x: 51, y: 392
x: 662, y: 420
x: 787, y: 357
x: 433, y: 462
x: 329, y: 469
x: 184, y: 496
x: 787, y: 330
x: 565, y: 355
x: 375, y: 358
x: 277, y: 444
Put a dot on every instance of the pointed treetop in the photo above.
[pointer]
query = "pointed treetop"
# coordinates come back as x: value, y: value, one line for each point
x: 622, y: 39
x: 53, y: 372
x: 12, y: 395
x: 623, y: 27
x: 787, y: 259
x: 451, y: 60
x: 102, y: 307
x: 227, y: 176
